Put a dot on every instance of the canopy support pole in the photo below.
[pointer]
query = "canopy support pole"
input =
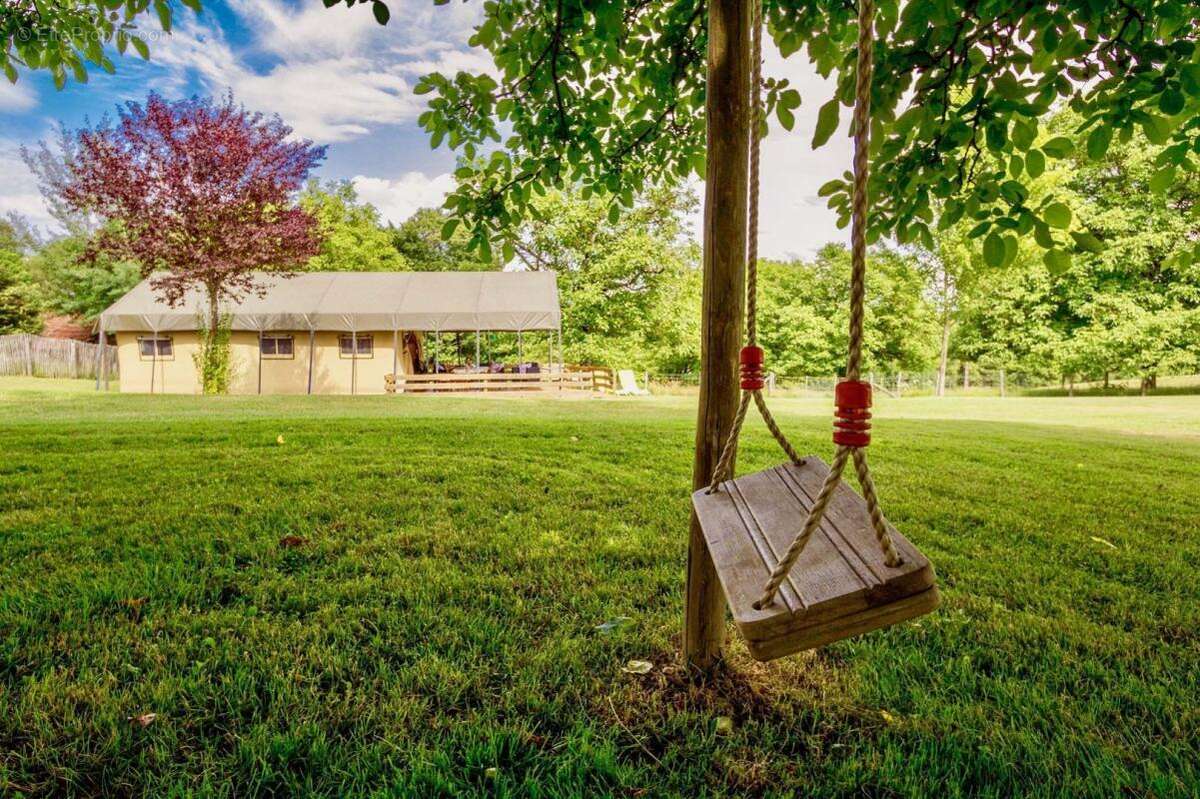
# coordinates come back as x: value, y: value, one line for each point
x: 312, y: 345
x: 725, y: 221
x: 437, y: 348
x: 353, y: 362
x: 260, y: 337
x: 99, y: 353
x: 520, y: 350
x: 395, y: 350
x: 153, y: 357
x: 476, y: 349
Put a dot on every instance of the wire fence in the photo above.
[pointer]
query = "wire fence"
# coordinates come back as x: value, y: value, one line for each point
x: 970, y: 380
x: 38, y: 356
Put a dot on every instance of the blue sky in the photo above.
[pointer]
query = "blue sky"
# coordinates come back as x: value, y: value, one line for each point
x: 342, y: 80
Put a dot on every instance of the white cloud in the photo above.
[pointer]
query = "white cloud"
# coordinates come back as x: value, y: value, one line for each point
x: 16, y: 96
x: 398, y: 199
x: 793, y: 219
x: 19, y: 191
x: 334, y: 74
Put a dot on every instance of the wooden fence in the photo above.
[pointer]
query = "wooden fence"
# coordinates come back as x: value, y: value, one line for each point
x: 593, y: 379
x: 23, y: 354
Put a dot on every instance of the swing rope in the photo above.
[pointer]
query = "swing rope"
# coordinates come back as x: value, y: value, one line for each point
x: 751, y: 359
x: 852, y: 396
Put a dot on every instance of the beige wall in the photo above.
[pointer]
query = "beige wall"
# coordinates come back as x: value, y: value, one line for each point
x: 332, y: 373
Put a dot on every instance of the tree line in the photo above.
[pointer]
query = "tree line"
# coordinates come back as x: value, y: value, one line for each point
x: 630, y: 282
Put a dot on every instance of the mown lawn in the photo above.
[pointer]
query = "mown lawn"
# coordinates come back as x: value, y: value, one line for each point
x: 436, y: 597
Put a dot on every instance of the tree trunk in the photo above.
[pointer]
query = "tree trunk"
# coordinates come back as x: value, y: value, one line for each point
x: 1106, y: 375
x: 725, y: 206
x: 943, y: 359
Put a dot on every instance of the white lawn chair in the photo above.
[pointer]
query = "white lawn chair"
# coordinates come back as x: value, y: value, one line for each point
x: 627, y: 384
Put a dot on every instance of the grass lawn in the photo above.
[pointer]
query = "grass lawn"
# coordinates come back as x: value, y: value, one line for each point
x: 436, y: 596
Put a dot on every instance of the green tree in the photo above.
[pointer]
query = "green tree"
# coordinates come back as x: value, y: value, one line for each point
x: 64, y: 36
x: 352, y: 238
x: 615, y: 275
x: 804, y: 317
x: 1129, y: 308
x: 1006, y: 319
x: 77, y: 286
x: 19, y: 299
x: 419, y: 240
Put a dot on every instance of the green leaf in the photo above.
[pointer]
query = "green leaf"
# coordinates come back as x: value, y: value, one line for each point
x: 1098, y: 141
x: 164, y: 14
x: 1157, y: 129
x: 1023, y: 134
x: 1057, y: 215
x: 786, y: 117
x: 1057, y: 261
x: 1043, y: 236
x: 1010, y: 249
x: 1086, y: 241
x: 140, y: 46
x: 1058, y: 147
x: 449, y: 228
x: 382, y: 14
x: 1035, y: 163
x: 1162, y: 179
x: 994, y: 250
x: 832, y: 187
x: 1016, y: 166
x: 980, y: 229
x: 827, y: 122
x: 1171, y: 102
x: 1189, y: 79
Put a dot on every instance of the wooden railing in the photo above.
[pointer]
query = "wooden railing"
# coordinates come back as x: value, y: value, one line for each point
x: 597, y: 380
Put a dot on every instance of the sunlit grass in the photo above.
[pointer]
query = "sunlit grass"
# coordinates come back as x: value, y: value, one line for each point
x: 431, y: 627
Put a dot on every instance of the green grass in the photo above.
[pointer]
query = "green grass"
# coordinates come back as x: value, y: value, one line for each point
x: 435, y: 633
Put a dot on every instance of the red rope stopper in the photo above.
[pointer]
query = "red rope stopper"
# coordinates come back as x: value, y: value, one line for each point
x: 851, y: 425
x: 751, y: 359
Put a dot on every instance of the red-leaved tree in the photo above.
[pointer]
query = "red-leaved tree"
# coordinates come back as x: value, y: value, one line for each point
x: 199, y: 192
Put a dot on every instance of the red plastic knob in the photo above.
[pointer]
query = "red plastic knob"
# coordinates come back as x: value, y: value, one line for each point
x: 751, y: 359
x: 852, y: 426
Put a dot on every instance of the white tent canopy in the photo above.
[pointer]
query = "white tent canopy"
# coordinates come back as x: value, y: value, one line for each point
x: 352, y: 301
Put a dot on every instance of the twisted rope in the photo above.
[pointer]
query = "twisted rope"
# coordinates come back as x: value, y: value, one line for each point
x: 858, y: 273
x: 724, y: 468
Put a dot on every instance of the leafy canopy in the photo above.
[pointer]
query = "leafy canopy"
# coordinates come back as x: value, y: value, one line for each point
x: 352, y: 239
x: 609, y: 96
x: 419, y: 240
x: 63, y: 36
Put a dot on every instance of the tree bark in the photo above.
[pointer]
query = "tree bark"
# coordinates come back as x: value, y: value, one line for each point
x: 725, y: 208
x: 944, y: 354
x: 944, y: 357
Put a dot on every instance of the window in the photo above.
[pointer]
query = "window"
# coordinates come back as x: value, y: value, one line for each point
x: 366, y: 346
x: 152, y: 348
x: 278, y: 346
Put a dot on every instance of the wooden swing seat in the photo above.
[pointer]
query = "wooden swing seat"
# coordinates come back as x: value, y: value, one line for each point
x: 839, y: 587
